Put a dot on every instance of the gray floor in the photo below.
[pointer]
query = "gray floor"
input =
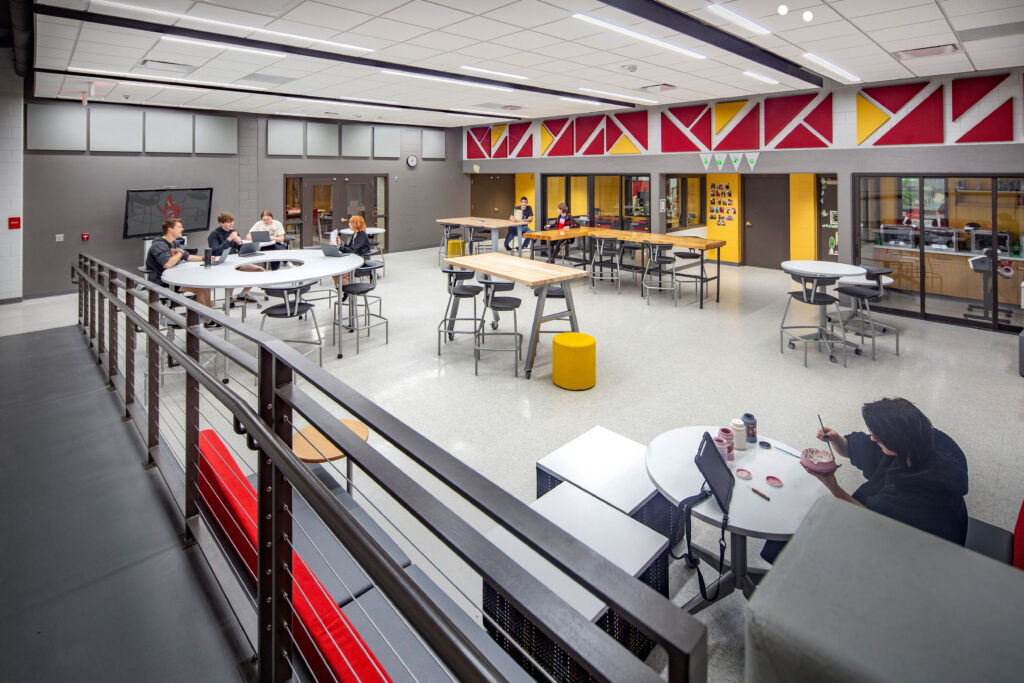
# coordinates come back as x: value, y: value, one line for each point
x: 94, y: 584
x: 660, y: 367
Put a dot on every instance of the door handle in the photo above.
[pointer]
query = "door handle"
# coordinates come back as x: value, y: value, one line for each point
x: 748, y: 224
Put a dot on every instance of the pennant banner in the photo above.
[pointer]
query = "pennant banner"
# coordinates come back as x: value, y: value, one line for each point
x: 720, y: 160
x: 706, y: 160
x: 752, y: 159
x: 737, y: 159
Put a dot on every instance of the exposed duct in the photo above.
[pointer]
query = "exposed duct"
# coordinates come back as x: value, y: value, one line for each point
x: 21, y: 32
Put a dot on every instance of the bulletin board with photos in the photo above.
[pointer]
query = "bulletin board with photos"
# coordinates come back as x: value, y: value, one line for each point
x: 722, y: 208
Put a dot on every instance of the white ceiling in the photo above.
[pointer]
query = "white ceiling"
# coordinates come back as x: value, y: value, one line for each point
x: 538, y: 39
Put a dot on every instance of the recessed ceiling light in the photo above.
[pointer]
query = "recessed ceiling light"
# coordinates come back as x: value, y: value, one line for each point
x: 222, y: 46
x: 583, y: 101
x: 638, y: 36
x: 808, y: 15
x: 734, y: 18
x: 783, y: 10
x: 620, y: 95
x: 452, y: 81
x: 298, y: 39
x: 759, y: 77
x: 843, y: 73
x: 494, y: 73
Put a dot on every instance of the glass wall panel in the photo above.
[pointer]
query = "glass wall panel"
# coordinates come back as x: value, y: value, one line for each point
x: 579, y: 199
x: 323, y: 209
x: 607, y: 207
x: 684, y: 199
x: 636, y: 200
x: 958, y: 219
x: 889, y: 237
x: 1009, y: 217
x: 554, y: 194
x: 293, y: 207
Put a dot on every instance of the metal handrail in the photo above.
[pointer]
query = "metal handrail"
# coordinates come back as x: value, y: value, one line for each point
x: 684, y: 637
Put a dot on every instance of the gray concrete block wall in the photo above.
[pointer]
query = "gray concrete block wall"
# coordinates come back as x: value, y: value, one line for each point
x: 11, y: 164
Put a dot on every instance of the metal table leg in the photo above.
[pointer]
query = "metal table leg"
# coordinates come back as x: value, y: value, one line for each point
x: 736, y: 576
x: 538, y: 318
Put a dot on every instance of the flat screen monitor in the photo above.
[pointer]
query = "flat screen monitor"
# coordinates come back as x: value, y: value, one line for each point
x: 146, y: 210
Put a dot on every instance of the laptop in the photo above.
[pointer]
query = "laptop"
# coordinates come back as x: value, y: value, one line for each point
x: 716, y: 473
x: 249, y: 249
x: 222, y: 258
x: 330, y: 250
x: 260, y: 236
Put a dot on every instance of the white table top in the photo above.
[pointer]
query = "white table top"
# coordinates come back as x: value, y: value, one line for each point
x: 863, y: 281
x: 369, y: 231
x: 821, y: 269
x: 624, y: 541
x: 670, y: 466
x: 314, y: 266
x: 606, y: 465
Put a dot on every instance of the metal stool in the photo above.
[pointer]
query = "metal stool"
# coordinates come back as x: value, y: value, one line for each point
x: 860, y: 322
x: 691, y: 255
x: 456, y: 293
x: 357, y: 322
x: 498, y: 304
x: 809, y: 294
x: 448, y: 233
x: 293, y: 307
x: 607, y: 254
x: 655, y: 267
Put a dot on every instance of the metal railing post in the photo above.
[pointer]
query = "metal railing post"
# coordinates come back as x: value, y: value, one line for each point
x: 274, y: 493
x: 129, y: 352
x: 101, y: 345
x: 112, y: 362
x: 153, y: 382
x: 81, y: 294
x: 191, y: 421
x: 92, y: 304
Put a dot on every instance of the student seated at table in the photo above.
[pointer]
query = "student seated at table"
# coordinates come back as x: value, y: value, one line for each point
x: 163, y: 255
x: 225, y: 237
x: 276, y: 230
x: 527, y: 215
x: 916, y: 474
x: 563, y: 222
x: 360, y: 244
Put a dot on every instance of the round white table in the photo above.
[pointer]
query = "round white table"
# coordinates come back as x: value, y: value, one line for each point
x: 307, y: 265
x: 671, y: 467
x: 369, y: 231
x: 821, y: 270
x: 817, y: 275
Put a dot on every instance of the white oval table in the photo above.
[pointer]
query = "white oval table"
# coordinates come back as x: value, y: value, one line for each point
x: 369, y: 231
x: 819, y: 275
x: 670, y: 465
x: 307, y: 265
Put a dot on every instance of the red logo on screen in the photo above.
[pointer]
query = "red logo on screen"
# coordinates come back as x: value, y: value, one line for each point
x: 170, y: 209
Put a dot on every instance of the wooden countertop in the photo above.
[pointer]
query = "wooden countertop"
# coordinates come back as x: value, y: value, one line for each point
x: 684, y: 241
x: 475, y: 222
x: 556, y: 235
x: 521, y: 270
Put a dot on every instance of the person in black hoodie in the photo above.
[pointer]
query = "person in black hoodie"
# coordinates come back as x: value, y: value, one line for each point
x: 360, y: 244
x: 916, y: 474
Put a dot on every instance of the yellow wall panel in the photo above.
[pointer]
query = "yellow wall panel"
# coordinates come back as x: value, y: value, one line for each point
x: 730, y: 232
x: 803, y: 217
x: 546, y: 139
x: 624, y: 146
x: 725, y: 112
x: 525, y: 187
x: 869, y: 118
x: 496, y: 133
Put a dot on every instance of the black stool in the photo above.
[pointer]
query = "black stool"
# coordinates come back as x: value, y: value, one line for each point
x: 367, y: 320
x: 657, y: 260
x: 456, y: 293
x: 498, y: 304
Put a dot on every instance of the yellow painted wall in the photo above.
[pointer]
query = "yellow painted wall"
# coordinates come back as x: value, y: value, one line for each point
x: 731, y: 232
x: 578, y: 205
x: 525, y: 187
x: 803, y: 217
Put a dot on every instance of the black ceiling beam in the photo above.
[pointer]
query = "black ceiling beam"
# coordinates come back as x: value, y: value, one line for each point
x: 248, y: 91
x: 151, y: 27
x: 712, y: 35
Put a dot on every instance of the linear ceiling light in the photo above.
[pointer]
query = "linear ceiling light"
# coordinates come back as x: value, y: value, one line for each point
x: 494, y: 73
x: 615, y: 94
x: 164, y: 86
x: 223, y: 46
x: 825, y: 64
x: 452, y: 81
x: 228, y: 24
x: 338, y: 103
x: 147, y: 77
x: 583, y: 101
x: 759, y: 77
x: 734, y: 18
x: 638, y: 36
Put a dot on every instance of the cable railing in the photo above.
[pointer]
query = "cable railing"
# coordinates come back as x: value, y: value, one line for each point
x: 116, y: 306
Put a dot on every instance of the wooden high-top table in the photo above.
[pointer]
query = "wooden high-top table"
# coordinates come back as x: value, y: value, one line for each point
x: 492, y: 224
x: 699, y: 244
x: 538, y: 276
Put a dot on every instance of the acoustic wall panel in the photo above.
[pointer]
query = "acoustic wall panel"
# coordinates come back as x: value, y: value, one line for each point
x: 169, y: 132
x: 216, y: 134
x: 356, y: 141
x: 321, y: 139
x: 57, y: 127
x: 284, y: 137
x: 115, y: 129
x: 433, y: 144
x: 387, y: 142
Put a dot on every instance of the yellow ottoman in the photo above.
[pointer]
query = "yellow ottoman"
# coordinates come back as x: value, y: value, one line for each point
x: 574, y: 361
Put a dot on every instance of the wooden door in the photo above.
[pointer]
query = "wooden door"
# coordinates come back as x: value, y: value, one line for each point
x: 766, y: 220
x: 492, y: 196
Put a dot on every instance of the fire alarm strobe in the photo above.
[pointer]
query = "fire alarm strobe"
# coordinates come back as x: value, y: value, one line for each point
x: 85, y: 237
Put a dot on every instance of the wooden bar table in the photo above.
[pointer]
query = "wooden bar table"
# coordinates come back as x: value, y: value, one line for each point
x: 556, y: 236
x: 537, y: 276
x: 492, y: 224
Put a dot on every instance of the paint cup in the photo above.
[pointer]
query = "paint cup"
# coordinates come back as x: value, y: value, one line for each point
x: 739, y: 434
x: 726, y: 434
x: 723, y: 448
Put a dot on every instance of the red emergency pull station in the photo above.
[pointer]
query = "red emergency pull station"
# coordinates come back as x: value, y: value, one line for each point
x: 14, y: 223
x: 85, y: 237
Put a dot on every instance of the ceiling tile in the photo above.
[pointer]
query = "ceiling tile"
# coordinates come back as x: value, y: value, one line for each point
x: 427, y: 14
x: 390, y: 29
x: 956, y: 8
x: 528, y: 13
x: 317, y: 14
x: 912, y: 15
x: 983, y: 19
x: 526, y: 59
x: 487, y: 50
x: 940, y: 64
x: 527, y: 40
x: 860, y: 8
x: 207, y: 11
x: 473, y: 6
x: 440, y: 40
x: 926, y: 28
x: 481, y: 28
x: 406, y: 53
x: 572, y: 29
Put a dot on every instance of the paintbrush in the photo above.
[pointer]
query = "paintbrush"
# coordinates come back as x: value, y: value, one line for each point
x: 826, y: 437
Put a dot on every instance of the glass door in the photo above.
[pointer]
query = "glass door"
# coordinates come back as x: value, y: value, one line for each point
x: 888, y: 236
x: 684, y: 202
x: 323, y: 210
x: 293, y: 209
x: 636, y: 202
x: 608, y: 201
